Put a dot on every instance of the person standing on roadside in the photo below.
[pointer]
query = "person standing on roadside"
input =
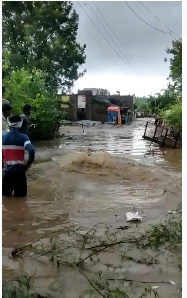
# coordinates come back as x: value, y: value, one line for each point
x: 6, y: 113
x: 14, y: 145
x: 25, y: 119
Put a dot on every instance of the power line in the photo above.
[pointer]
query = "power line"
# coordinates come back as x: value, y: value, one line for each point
x: 169, y: 33
x: 100, y: 32
x: 111, y: 44
x: 110, y: 28
x: 157, y: 18
x: 95, y: 38
x: 79, y: 6
x: 101, y: 46
x: 126, y: 63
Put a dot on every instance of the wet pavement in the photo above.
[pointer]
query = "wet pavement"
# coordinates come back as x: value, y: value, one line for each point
x: 83, y: 179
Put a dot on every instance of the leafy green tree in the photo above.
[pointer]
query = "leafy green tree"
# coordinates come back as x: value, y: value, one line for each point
x: 42, y: 35
x: 143, y: 107
x: 29, y: 87
x: 168, y: 103
x: 162, y: 100
x: 176, y: 64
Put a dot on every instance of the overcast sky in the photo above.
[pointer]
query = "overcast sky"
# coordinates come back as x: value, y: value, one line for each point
x: 123, y: 53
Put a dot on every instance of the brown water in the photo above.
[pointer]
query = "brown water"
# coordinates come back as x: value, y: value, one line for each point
x: 122, y: 142
x: 84, y: 179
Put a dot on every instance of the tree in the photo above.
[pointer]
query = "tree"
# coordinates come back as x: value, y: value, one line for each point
x: 162, y: 100
x: 143, y: 107
x: 173, y: 115
x: 42, y: 35
x: 176, y: 64
x: 29, y: 87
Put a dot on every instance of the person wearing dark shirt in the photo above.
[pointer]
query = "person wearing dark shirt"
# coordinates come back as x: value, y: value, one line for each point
x: 25, y: 121
x: 6, y: 113
x: 14, y: 145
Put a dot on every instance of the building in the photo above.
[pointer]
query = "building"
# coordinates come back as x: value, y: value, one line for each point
x: 123, y: 100
x: 95, y: 107
x: 97, y: 91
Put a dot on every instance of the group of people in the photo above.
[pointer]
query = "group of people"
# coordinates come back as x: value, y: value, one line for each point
x: 15, y: 141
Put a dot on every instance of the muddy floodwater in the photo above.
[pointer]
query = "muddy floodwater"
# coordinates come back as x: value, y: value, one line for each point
x: 81, y: 180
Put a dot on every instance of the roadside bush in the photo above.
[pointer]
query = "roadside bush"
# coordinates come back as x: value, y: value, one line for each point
x: 173, y: 115
x: 28, y: 87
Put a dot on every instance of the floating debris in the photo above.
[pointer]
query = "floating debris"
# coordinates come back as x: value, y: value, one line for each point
x: 174, y: 212
x: 133, y: 216
x: 172, y: 282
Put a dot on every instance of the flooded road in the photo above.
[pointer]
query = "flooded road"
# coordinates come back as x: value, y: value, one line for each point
x: 86, y: 179
x: 123, y: 141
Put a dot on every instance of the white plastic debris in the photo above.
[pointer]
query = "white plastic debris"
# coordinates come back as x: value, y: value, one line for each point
x: 133, y: 216
x: 173, y: 212
x: 172, y: 282
x: 155, y: 287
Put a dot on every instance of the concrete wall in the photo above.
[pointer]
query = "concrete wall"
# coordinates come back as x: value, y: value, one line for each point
x: 74, y: 107
x: 99, y: 112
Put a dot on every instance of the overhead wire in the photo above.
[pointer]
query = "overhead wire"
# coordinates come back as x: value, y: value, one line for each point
x: 162, y: 31
x: 99, y: 42
x: 102, y: 47
x: 102, y: 34
x: 158, y: 19
x: 114, y: 42
x: 116, y: 37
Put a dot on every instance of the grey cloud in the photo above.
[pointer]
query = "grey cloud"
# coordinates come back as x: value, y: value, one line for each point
x: 145, y: 45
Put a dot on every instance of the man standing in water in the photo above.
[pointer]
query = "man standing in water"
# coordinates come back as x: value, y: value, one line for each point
x: 14, y: 145
x: 25, y: 122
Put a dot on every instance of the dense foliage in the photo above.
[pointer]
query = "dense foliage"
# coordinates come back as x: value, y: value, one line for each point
x: 173, y: 115
x: 40, y: 57
x: 143, y: 107
x: 162, y: 100
x: 25, y: 86
x: 42, y: 34
x: 168, y: 103
x: 176, y: 64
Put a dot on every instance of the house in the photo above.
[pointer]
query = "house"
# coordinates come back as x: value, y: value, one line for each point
x: 94, y: 106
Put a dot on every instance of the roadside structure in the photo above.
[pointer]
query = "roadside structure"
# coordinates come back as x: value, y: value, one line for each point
x: 95, y: 106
